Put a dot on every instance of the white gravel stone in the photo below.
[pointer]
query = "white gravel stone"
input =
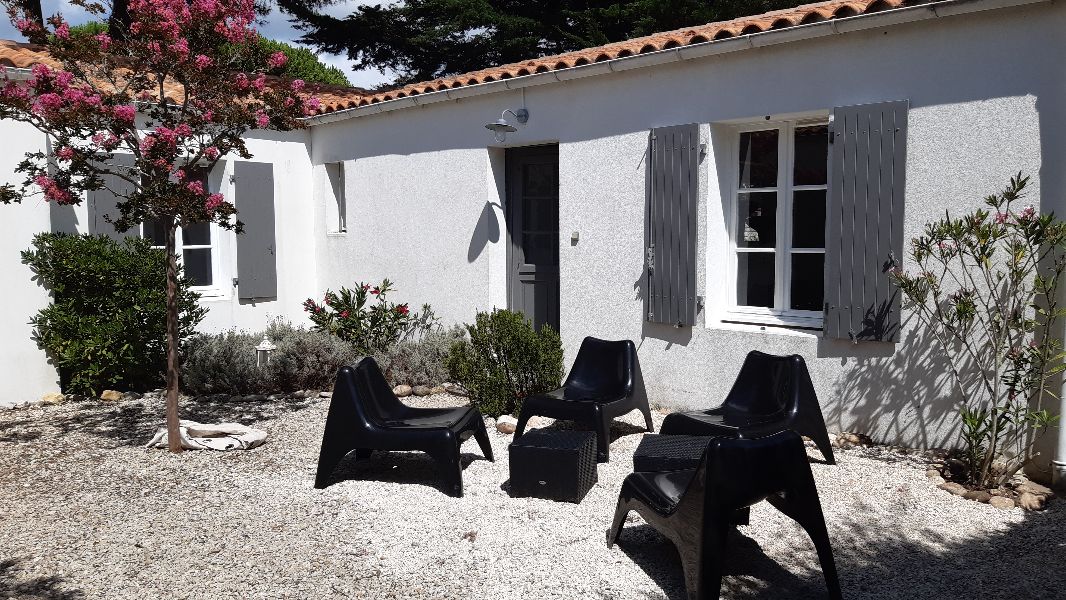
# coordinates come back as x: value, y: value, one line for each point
x: 86, y: 512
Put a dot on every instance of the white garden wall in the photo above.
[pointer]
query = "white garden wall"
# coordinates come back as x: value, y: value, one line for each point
x: 987, y: 100
x: 25, y: 373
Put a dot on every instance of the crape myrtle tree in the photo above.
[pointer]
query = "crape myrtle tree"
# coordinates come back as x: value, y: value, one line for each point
x: 169, y: 93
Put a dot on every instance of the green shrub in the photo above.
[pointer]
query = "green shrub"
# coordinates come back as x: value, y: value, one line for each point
x: 506, y: 360
x: 420, y: 362
x: 225, y: 363
x: 306, y: 360
x: 366, y: 319
x: 106, y: 325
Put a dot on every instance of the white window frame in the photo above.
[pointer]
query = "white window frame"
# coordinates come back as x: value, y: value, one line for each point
x: 780, y: 314
x: 217, y: 289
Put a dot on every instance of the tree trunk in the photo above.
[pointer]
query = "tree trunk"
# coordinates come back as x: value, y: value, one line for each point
x: 119, y: 20
x: 33, y: 10
x: 173, y: 372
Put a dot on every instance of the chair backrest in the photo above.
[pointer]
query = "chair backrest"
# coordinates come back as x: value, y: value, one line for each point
x: 766, y: 384
x: 603, y: 368
x: 370, y: 394
x: 742, y: 472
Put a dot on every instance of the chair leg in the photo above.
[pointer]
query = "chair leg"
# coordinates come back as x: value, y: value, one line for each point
x: 520, y: 428
x: 451, y: 468
x: 603, y: 438
x: 334, y: 449
x: 703, y: 567
x: 804, y: 508
x: 482, y: 437
x: 742, y: 516
x: 647, y: 418
x: 619, y: 520
x: 820, y: 437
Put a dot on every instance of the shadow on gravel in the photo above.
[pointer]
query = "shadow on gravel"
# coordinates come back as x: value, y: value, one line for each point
x: 618, y: 428
x: 12, y: 585
x: 414, y: 468
x: 1023, y: 561
x: 133, y: 423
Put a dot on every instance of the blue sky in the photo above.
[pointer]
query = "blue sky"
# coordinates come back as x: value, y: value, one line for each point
x: 276, y: 27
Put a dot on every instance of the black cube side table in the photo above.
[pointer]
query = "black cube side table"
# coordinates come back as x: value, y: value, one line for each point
x: 658, y: 453
x: 553, y: 464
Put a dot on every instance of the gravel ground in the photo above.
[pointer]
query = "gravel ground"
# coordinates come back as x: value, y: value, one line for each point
x: 86, y: 512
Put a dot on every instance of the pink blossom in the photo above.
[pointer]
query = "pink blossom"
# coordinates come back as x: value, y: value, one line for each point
x: 203, y: 61
x: 125, y: 112
x: 104, y: 40
x: 180, y: 47
x: 183, y: 130
x: 52, y: 190
x: 1028, y: 212
x: 65, y: 153
x: 195, y: 186
x: 297, y: 85
x: 213, y: 202
x: 63, y: 78
x: 63, y: 31
x: 277, y: 60
x: 241, y: 80
x: 1001, y: 218
x: 211, y: 152
x: 311, y: 105
x: 261, y: 119
x: 15, y: 91
x: 260, y: 82
x: 209, y: 115
x: 105, y: 140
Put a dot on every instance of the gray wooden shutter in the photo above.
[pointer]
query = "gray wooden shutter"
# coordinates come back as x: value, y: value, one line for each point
x: 864, y: 221
x: 672, y: 190
x: 257, y: 275
x: 103, y: 203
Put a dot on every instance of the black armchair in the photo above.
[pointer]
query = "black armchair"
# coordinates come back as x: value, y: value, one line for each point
x: 695, y: 509
x: 364, y: 415
x: 604, y: 383
x: 771, y: 394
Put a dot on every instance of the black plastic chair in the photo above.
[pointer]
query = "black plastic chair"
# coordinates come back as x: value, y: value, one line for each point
x: 604, y: 383
x: 696, y: 509
x: 771, y: 394
x: 364, y: 415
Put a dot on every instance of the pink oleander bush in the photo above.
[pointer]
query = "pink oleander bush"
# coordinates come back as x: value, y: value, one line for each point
x: 365, y: 318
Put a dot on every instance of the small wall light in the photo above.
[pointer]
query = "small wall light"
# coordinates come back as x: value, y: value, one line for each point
x: 263, y: 352
x: 500, y: 127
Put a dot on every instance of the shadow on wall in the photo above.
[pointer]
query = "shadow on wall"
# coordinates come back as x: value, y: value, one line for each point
x: 486, y: 231
x: 881, y: 562
x: 14, y: 585
x: 890, y: 392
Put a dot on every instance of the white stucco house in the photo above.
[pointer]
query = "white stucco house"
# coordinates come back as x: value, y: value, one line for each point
x: 703, y: 192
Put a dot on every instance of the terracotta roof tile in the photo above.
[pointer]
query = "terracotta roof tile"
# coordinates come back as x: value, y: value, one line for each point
x: 800, y: 15
x: 336, y: 98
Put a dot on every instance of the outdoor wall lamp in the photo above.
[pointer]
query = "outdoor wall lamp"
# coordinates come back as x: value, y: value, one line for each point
x: 500, y: 127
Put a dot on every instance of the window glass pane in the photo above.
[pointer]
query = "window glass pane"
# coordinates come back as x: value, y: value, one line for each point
x: 540, y: 214
x: 539, y: 179
x: 757, y: 220
x: 540, y: 248
x: 755, y: 279
x: 198, y: 265
x: 197, y: 234
x: 155, y: 232
x: 758, y: 159
x: 812, y: 146
x: 808, y: 219
x: 808, y: 277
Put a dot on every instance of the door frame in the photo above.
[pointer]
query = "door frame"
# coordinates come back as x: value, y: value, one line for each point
x: 513, y: 184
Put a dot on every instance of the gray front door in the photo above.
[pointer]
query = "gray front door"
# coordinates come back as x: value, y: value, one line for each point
x: 533, y: 233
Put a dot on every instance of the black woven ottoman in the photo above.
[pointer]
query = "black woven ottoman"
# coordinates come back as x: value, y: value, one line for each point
x: 552, y: 464
x: 659, y: 453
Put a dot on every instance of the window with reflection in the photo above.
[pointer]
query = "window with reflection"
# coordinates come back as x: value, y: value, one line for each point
x: 778, y: 232
x: 194, y: 245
